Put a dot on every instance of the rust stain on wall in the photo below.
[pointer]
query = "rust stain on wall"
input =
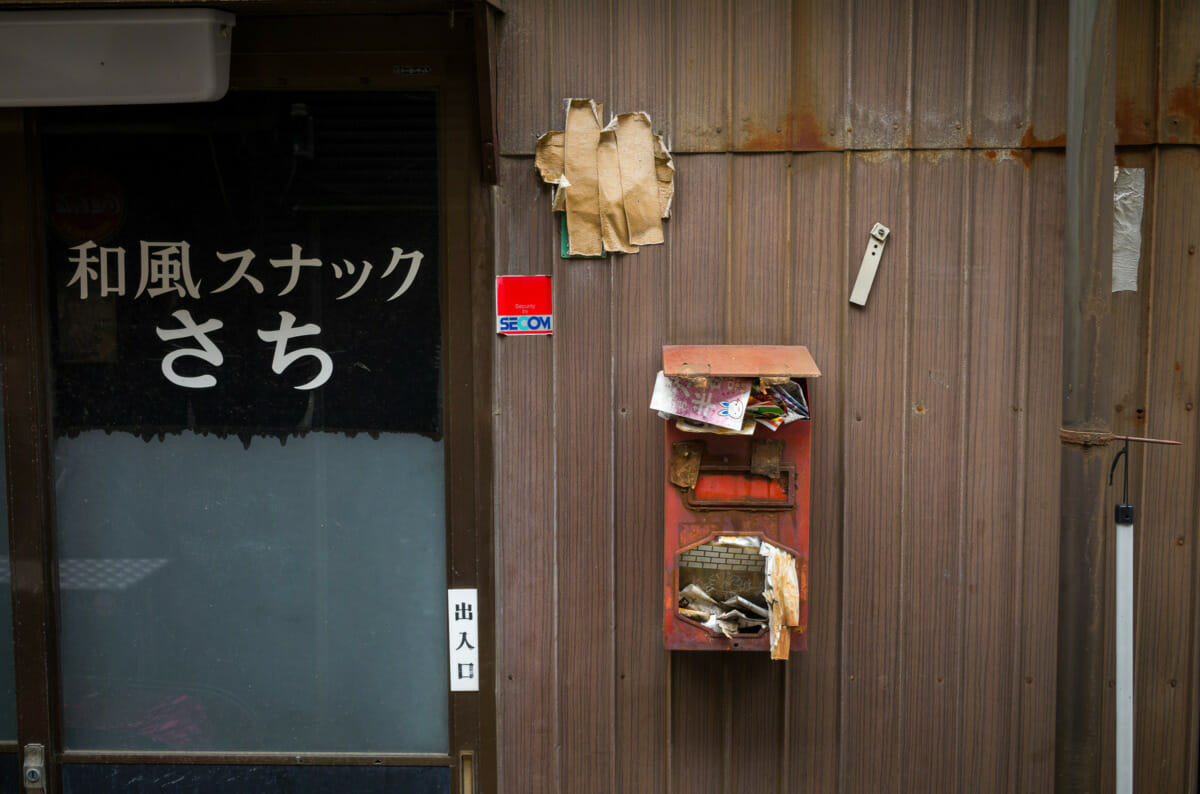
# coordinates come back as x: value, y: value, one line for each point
x: 1133, y: 128
x: 1030, y: 141
x: 808, y: 134
x: 771, y: 138
x: 1184, y: 108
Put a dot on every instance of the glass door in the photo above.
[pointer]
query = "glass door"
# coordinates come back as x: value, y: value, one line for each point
x: 247, y: 529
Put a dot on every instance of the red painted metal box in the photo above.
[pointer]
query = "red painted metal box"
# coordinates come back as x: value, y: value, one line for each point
x: 744, y: 491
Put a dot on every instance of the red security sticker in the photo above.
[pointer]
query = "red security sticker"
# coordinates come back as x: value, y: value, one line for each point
x: 524, y: 305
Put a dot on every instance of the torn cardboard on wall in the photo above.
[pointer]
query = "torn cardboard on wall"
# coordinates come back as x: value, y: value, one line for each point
x: 615, y: 183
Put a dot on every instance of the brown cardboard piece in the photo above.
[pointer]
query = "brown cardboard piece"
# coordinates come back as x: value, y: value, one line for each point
x: 580, y: 142
x: 614, y: 230
x: 616, y: 184
x: 639, y: 179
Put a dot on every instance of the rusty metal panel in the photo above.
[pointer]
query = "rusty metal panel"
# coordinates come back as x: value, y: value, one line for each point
x: 936, y: 402
x: 873, y: 384
x: 584, y: 598
x: 941, y: 51
x: 1137, y: 71
x: 698, y: 256
x: 580, y: 53
x: 1168, y: 512
x: 759, y: 288
x: 643, y: 669
x: 1130, y: 313
x: 761, y: 47
x: 527, y: 684
x: 817, y: 259
x: 641, y: 64
x: 995, y: 449
x: 1048, y: 114
x: 700, y: 52
x: 818, y: 75
x: 525, y: 108
x: 999, y: 104
x: 1037, y: 627
x: 880, y: 99
x: 1179, y: 83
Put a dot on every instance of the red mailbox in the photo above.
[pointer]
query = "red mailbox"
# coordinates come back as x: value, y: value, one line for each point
x: 734, y: 502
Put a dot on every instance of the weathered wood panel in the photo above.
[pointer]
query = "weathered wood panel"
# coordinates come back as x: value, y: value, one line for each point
x: 915, y: 680
x: 999, y: 102
x: 1048, y: 114
x: 580, y: 56
x: 700, y: 67
x: 699, y: 255
x: 585, y: 597
x: 642, y: 665
x: 761, y: 46
x: 1137, y: 71
x: 526, y: 670
x: 819, y: 281
x: 525, y: 106
x: 802, y: 75
x: 1179, y: 83
x: 931, y: 575
x: 1130, y: 313
x: 758, y: 310
x: 994, y: 451
x: 820, y: 50
x: 874, y: 387
x: 941, y: 74
x: 880, y: 99
x: 641, y: 64
x: 1165, y: 585
x: 700, y: 718
x: 1037, y: 629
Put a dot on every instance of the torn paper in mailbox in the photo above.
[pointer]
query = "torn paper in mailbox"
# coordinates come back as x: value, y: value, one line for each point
x: 616, y: 184
x: 720, y: 401
x: 1129, y: 189
x: 783, y: 598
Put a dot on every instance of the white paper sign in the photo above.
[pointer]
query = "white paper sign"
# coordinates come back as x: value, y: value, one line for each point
x: 463, y: 617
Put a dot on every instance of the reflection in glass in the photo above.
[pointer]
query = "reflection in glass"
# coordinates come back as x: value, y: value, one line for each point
x: 217, y: 596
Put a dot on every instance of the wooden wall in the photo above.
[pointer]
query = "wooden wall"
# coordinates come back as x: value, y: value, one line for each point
x: 934, y: 568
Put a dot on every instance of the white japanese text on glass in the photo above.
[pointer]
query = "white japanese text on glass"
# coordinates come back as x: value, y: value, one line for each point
x: 166, y: 268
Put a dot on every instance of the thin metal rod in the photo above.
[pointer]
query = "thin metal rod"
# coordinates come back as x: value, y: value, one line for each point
x: 1150, y: 440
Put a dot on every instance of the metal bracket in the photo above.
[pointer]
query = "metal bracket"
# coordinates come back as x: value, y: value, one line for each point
x: 870, y: 264
x: 33, y: 768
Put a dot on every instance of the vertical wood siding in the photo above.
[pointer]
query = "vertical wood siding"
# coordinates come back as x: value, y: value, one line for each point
x: 935, y: 496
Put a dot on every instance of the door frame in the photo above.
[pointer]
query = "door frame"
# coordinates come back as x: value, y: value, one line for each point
x: 350, y: 52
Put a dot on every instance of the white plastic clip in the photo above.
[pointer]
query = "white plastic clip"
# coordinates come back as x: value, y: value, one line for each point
x: 870, y: 264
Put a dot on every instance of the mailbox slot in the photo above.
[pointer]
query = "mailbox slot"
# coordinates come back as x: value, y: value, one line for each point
x: 723, y: 487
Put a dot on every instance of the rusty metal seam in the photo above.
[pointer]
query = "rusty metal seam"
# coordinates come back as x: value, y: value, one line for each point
x: 1085, y: 438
